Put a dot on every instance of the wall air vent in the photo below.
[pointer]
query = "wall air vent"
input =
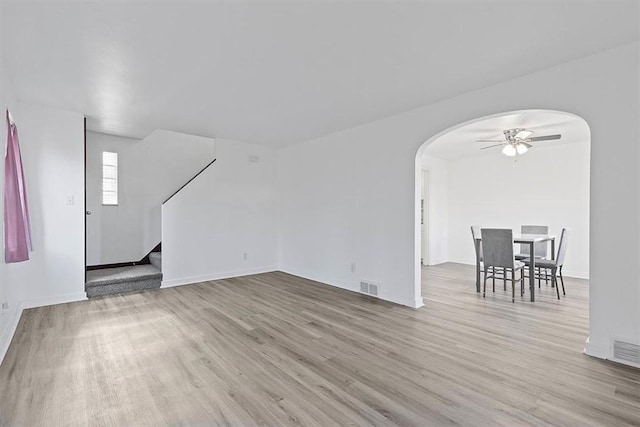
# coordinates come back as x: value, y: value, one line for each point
x: 626, y: 351
x: 369, y: 288
x: 364, y: 287
x: 373, y: 289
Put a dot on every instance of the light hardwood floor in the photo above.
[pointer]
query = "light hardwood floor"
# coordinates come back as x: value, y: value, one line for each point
x: 274, y: 349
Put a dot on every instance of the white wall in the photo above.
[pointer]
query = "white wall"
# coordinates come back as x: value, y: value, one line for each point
x: 52, y: 145
x: 438, y: 206
x: 549, y: 185
x: 351, y: 196
x: 9, y: 290
x: 229, y: 210
x: 149, y: 171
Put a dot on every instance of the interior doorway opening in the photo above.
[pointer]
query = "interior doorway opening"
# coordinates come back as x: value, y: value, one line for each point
x: 473, y: 181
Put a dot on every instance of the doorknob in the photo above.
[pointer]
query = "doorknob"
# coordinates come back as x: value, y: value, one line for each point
x: 88, y: 212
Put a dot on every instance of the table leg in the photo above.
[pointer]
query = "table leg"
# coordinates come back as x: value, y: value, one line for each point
x: 477, y: 243
x: 532, y: 269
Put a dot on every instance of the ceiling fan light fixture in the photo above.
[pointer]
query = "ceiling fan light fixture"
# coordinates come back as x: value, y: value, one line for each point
x: 523, y: 133
x: 509, y: 150
x: 517, y: 141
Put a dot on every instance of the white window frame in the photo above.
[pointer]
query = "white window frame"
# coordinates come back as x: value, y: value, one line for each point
x: 109, y: 178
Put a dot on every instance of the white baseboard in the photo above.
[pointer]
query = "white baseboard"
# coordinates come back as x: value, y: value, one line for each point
x: 599, y: 351
x: 217, y: 276
x: 409, y: 302
x: 575, y: 274
x: 604, y: 351
x: 58, y: 299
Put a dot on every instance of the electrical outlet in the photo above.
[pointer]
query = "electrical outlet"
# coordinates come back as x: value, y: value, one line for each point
x: 353, y: 267
x: 69, y: 200
x: 5, y: 305
x: 245, y: 256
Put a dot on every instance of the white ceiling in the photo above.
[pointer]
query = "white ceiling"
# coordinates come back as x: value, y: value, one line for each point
x: 462, y: 141
x: 279, y: 73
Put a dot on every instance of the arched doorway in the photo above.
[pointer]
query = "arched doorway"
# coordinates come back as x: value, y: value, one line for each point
x: 527, y: 177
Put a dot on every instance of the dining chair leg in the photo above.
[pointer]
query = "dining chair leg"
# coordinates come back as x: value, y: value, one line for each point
x: 546, y: 276
x: 554, y: 281
x: 504, y: 279
x: 540, y: 275
x: 513, y: 285
x: 562, y: 281
x: 484, y: 291
x: 493, y: 278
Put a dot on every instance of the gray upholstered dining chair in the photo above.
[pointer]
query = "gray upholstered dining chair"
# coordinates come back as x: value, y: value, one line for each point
x: 539, y: 251
x: 497, y: 253
x: 476, y: 234
x: 555, y: 265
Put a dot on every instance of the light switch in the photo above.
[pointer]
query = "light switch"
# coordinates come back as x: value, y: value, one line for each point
x: 69, y: 200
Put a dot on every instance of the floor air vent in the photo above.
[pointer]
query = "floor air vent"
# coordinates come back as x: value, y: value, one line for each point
x: 626, y: 351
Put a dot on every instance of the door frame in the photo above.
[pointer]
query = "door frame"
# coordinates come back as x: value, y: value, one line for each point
x: 85, y: 198
x: 426, y: 180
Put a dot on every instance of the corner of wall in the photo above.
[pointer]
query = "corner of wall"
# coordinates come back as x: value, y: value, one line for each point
x: 13, y: 316
x: 279, y: 207
x: 594, y: 349
x: 6, y: 335
x: 9, y: 291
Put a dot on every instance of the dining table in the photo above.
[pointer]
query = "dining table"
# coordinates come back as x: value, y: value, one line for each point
x: 525, y: 239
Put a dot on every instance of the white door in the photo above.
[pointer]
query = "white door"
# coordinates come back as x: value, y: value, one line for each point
x: 93, y: 203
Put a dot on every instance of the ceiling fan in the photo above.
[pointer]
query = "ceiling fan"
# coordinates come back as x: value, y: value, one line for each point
x: 516, y: 141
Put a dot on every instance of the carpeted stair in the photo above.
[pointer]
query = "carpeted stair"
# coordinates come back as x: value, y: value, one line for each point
x: 156, y: 259
x: 109, y: 281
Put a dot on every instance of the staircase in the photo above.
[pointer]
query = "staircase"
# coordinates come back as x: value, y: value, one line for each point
x: 168, y: 162
x: 155, y: 258
x: 120, y: 280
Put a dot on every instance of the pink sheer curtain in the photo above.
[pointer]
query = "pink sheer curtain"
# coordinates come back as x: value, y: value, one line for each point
x: 17, y: 229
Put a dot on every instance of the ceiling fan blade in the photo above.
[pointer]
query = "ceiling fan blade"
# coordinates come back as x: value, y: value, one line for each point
x: 543, y: 138
x: 490, y: 140
x: 526, y: 145
x: 491, y: 146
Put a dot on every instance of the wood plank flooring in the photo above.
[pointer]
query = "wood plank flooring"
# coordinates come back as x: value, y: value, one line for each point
x: 277, y: 350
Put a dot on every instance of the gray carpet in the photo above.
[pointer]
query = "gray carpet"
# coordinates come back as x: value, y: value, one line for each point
x: 156, y: 259
x: 113, y: 275
x: 109, y: 281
